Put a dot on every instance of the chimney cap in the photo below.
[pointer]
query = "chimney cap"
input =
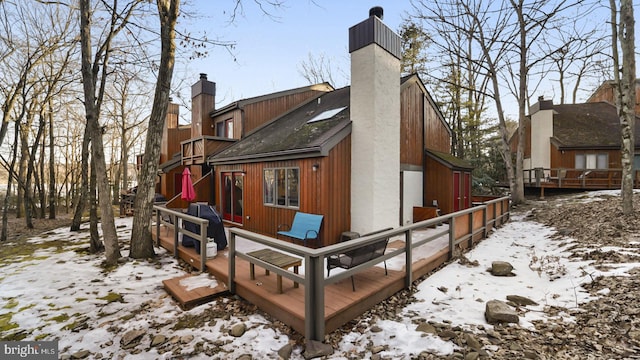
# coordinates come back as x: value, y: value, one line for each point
x: 203, y: 76
x: 376, y: 11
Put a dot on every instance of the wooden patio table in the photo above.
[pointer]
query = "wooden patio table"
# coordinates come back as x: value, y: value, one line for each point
x: 275, y: 258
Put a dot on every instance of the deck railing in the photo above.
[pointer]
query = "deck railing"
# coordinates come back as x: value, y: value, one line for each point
x: 169, y: 217
x: 464, y: 228
x: 576, y: 178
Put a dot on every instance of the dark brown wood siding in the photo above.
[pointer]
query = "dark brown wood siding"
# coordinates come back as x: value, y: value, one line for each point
x: 438, y: 185
x: 436, y: 135
x: 567, y: 158
x: 326, y: 191
x: 411, y: 130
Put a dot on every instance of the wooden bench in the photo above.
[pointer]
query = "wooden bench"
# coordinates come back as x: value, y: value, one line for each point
x: 361, y: 255
x: 304, y: 227
x: 275, y: 258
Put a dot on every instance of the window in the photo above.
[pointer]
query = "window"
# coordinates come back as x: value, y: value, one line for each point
x: 592, y: 161
x: 224, y: 129
x: 281, y: 187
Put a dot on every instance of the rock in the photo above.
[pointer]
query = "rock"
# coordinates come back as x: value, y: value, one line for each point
x: 528, y: 354
x: 158, y: 340
x: 472, y: 356
x: 497, y: 311
x: 315, y: 349
x: 447, y: 334
x: 238, y: 330
x: 521, y: 300
x: 82, y: 354
x: 285, y: 352
x: 186, y: 339
x: 501, y: 268
x: 426, y: 328
x: 245, y: 357
x: 131, y: 336
x: 472, y: 342
x: 376, y: 329
x: 377, y: 349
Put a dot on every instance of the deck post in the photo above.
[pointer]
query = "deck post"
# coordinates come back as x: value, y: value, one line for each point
x: 176, y: 232
x: 158, y: 217
x: 485, y: 222
x: 408, y: 250
x: 203, y: 246
x: 313, y: 298
x: 470, y: 241
x: 452, y: 236
x: 232, y: 263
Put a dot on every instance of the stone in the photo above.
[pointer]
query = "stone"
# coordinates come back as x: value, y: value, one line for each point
x: 376, y: 329
x: 501, y: 268
x: 497, y: 311
x: 447, y: 334
x: 158, y: 340
x: 186, y: 339
x: 316, y: 349
x: 472, y: 342
x: 377, y: 349
x: 426, y: 328
x: 245, y: 357
x: 82, y: 354
x: 238, y: 330
x: 285, y: 352
x: 521, y: 300
x: 131, y: 336
x: 472, y: 356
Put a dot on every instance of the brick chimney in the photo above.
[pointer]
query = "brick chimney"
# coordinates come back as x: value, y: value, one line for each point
x: 375, y: 114
x: 203, y: 100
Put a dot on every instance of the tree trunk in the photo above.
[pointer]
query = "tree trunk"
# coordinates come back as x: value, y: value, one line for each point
x: 5, y: 205
x: 95, y: 245
x: 112, y: 249
x: 81, y: 201
x: 52, y: 168
x: 627, y: 96
x: 141, y: 241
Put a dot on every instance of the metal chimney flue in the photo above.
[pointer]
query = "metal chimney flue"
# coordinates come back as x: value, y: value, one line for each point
x: 376, y: 11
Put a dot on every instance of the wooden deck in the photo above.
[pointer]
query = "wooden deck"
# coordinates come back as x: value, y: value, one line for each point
x: 342, y: 304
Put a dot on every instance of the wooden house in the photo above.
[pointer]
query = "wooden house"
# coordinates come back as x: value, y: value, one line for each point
x: 574, y: 145
x: 212, y: 130
x: 363, y: 156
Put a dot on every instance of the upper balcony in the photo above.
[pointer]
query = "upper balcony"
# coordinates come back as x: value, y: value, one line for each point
x: 196, y: 150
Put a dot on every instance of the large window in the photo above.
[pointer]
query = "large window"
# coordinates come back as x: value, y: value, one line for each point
x: 281, y: 187
x: 592, y: 161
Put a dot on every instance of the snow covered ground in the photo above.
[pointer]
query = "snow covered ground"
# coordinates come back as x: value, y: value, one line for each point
x: 62, y: 293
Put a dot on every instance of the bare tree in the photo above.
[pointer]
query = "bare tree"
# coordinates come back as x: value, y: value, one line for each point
x: 317, y: 68
x: 94, y: 76
x: 141, y: 242
x: 625, y: 82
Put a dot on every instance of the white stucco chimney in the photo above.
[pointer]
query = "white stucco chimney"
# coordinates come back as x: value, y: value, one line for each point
x: 375, y: 114
x: 541, y: 133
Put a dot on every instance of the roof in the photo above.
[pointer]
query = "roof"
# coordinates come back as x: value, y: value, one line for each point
x: 292, y: 136
x: 587, y: 126
x: 324, y: 87
x: 174, y: 162
x: 449, y: 160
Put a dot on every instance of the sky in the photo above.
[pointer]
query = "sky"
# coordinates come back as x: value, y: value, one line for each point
x: 269, y: 50
x: 44, y: 293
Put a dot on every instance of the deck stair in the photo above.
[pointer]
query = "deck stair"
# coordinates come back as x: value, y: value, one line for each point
x: 189, y: 296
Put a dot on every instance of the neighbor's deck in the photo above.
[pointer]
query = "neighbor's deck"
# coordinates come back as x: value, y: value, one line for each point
x: 341, y: 303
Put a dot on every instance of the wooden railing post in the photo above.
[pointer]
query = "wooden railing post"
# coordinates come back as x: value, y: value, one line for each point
x: 408, y: 250
x: 314, y: 298
x: 176, y: 234
x: 452, y: 236
x: 232, y: 263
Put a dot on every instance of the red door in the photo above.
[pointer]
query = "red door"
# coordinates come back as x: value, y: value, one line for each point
x: 232, y: 196
x: 456, y: 191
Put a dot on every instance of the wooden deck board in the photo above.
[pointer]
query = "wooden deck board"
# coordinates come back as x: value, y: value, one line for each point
x: 342, y: 304
x: 190, y: 298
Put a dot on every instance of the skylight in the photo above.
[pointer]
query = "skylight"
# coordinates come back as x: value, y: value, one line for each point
x: 327, y: 114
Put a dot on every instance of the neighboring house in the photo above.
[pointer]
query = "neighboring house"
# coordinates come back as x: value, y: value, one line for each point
x: 574, y: 145
x: 362, y: 156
